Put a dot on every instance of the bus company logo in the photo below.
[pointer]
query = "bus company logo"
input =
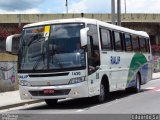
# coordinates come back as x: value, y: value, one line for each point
x: 22, y: 76
x: 115, y: 59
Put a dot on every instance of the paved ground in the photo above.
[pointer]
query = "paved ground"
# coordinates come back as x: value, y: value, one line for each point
x: 121, y: 102
x: 156, y: 75
x: 12, y: 99
x: 147, y: 101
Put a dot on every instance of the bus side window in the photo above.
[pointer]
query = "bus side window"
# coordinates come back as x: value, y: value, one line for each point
x: 147, y: 45
x: 128, y: 42
x: 117, y: 41
x: 135, y: 43
x: 105, y: 39
x: 143, y: 44
x: 90, y: 49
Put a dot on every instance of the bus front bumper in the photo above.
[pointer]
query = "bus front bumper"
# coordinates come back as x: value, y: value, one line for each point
x: 78, y: 90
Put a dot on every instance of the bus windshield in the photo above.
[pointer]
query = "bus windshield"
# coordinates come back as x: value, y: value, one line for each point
x: 59, y: 51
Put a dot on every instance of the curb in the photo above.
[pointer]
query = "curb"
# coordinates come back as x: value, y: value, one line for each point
x: 19, y: 104
x: 155, y: 78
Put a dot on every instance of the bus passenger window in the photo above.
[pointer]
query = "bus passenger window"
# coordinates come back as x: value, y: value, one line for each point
x: 117, y: 41
x: 135, y: 43
x: 128, y: 43
x: 147, y: 45
x: 105, y: 39
x: 143, y: 45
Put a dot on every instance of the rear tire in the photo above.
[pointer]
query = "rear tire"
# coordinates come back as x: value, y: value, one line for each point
x: 51, y: 102
x: 137, y: 87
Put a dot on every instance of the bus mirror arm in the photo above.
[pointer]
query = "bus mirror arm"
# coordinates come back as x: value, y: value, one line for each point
x: 83, y: 36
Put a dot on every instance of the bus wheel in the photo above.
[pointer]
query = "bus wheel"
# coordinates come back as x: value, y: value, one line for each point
x: 137, y: 87
x: 51, y: 102
x: 103, y: 93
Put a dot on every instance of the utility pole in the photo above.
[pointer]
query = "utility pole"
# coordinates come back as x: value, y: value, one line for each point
x: 119, y: 12
x: 67, y: 6
x: 113, y: 11
x: 125, y: 6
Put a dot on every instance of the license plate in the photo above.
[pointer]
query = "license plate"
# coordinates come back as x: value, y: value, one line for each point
x: 48, y: 91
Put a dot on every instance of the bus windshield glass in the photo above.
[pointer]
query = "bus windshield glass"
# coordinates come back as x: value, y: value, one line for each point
x: 60, y: 50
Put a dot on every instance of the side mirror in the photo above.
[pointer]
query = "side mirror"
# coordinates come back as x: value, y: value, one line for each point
x: 12, y: 43
x: 83, y: 36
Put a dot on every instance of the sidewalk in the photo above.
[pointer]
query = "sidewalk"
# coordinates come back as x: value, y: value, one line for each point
x: 12, y: 99
x: 156, y: 75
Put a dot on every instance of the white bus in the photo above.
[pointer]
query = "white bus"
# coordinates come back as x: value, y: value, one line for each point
x: 75, y: 58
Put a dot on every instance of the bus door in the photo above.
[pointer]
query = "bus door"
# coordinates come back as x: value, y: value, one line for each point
x: 93, y: 59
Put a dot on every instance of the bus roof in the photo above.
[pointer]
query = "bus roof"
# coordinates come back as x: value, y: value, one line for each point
x: 90, y: 21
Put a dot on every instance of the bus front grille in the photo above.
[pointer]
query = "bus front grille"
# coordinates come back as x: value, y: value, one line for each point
x: 56, y: 93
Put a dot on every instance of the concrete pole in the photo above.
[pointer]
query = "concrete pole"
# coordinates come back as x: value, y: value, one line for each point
x: 119, y: 12
x: 38, y: 17
x: 113, y: 11
x: 19, y: 20
x: 67, y: 6
x: 125, y: 6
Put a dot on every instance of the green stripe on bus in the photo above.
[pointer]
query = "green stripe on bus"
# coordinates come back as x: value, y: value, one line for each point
x: 138, y: 61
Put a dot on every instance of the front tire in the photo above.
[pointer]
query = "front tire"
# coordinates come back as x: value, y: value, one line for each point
x: 51, y: 102
x: 104, y: 93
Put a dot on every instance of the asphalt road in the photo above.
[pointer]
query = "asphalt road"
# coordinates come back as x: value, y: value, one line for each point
x: 121, y: 102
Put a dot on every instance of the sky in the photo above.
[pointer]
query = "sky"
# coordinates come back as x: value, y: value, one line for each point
x: 76, y: 6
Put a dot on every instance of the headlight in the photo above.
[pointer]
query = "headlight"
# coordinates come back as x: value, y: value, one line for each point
x: 77, y: 80
x: 23, y: 83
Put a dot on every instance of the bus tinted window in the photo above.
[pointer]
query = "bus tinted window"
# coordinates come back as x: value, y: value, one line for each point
x: 117, y: 41
x: 128, y: 44
x: 135, y: 43
x: 147, y: 45
x: 105, y: 39
x: 143, y: 45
